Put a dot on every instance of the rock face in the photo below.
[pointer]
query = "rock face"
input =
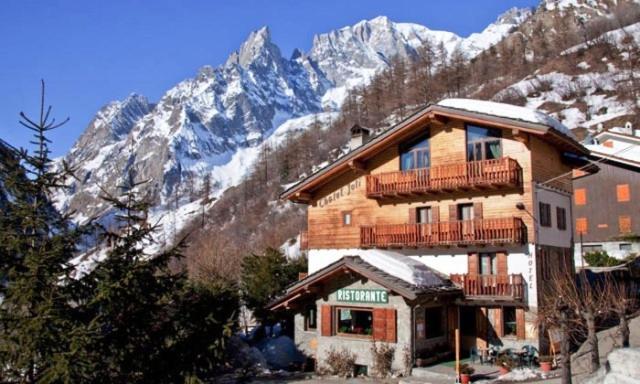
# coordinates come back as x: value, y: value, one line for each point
x: 209, y: 127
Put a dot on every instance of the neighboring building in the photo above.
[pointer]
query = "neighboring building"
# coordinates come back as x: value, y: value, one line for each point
x: 606, y: 204
x: 453, y: 218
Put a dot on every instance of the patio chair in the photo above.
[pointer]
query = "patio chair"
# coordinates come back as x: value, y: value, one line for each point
x: 529, y: 353
x: 474, y: 355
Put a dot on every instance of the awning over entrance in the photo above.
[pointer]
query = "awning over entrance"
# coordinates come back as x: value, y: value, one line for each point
x: 433, y: 285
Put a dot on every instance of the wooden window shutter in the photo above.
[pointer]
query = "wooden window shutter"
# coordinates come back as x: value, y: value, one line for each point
x: 453, y: 212
x: 391, y: 328
x: 379, y: 324
x: 327, y: 321
x: 413, y: 212
x: 502, y: 264
x: 474, y: 263
x: 624, y: 222
x: 520, y: 331
x: 622, y: 192
x: 477, y: 210
x: 435, y: 214
x: 580, y: 196
x: 581, y: 225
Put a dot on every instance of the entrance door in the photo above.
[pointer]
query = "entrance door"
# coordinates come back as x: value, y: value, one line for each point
x: 468, y: 332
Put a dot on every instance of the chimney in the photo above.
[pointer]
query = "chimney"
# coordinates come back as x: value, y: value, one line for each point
x: 359, y: 136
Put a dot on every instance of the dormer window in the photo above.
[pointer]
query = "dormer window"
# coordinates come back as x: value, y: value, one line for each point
x: 415, y: 154
x: 483, y: 143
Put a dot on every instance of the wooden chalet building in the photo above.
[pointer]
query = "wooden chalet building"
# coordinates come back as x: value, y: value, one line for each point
x: 452, y: 218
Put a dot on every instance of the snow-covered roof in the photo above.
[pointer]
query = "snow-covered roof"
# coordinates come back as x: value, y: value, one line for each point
x: 507, y: 111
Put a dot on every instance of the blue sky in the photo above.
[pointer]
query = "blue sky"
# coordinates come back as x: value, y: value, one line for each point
x: 91, y: 52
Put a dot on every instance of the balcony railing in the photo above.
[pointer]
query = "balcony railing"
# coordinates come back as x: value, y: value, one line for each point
x: 510, y: 230
x: 504, y: 172
x: 500, y: 286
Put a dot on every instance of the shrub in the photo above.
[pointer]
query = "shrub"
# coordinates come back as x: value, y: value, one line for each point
x: 505, y: 361
x: 512, y: 96
x: 601, y: 259
x: 340, y: 363
x: 382, y: 358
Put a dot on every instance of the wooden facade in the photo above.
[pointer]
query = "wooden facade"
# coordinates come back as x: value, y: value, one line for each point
x: 506, y: 183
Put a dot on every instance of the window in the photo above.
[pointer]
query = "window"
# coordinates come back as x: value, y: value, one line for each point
x: 622, y: 193
x: 465, y: 211
x: 352, y: 321
x: 346, y: 218
x: 625, y: 247
x: 433, y: 318
x: 415, y: 154
x: 561, y: 218
x: 310, y: 318
x: 424, y: 215
x: 483, y: 143
x: 624, y: 222
x: 591, y: 248
x: 488, y: 264
x: 545, y: 214
x: 580, y: 196
x: 509, y: 321
x: 581, y: 225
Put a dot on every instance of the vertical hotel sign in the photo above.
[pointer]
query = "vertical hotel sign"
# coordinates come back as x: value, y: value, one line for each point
x: 369, y: 296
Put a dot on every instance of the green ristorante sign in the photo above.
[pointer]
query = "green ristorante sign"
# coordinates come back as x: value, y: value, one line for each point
x: 375, y: 296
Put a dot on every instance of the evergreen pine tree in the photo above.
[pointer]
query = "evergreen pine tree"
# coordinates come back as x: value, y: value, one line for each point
x: 36, y: 242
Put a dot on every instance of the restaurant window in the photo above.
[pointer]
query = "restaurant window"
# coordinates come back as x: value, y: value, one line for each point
x: 310, y: 318
x: 561, y: 218
x: 580, y: 196
x: 622, y: 193
x: 424, y: 215
x: 545, y: 214
x: 434, y: 326
x: 346, y: 218
x: 415, y: 154
x: 488, y: 263
x: 483, y: 143
x: 509, y: 321
x: 351, y: 321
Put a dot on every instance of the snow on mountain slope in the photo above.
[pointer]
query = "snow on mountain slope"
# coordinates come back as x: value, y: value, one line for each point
x: 212, y: 127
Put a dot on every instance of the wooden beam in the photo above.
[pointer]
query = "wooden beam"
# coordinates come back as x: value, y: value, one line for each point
x: 303, y: 196
x: 357, y: 165
x: 439, y: 119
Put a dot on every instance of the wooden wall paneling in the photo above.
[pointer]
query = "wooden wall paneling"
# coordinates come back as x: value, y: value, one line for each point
x: 520, y: 324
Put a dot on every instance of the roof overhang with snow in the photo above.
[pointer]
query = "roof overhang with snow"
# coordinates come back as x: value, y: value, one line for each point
x: 356, y: 266
x: 475, y: 112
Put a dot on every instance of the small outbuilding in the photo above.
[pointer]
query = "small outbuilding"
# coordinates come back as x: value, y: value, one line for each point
x: 354, y: 302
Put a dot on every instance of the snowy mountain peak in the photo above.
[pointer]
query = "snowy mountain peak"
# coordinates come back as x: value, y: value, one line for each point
x: 258, y: 48
x: 514, y: 16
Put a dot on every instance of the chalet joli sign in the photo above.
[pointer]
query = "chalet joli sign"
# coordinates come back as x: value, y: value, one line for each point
x: 345, y: 190
x: 374, y: 296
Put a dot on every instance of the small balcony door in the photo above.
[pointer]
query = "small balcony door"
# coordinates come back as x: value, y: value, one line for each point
x: 424, y: 216
x: 465, y: 217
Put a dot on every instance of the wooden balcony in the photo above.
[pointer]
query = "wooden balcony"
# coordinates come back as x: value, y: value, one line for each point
x: 505, y: 287
x: 510, y: 230
x: 485, y: 174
